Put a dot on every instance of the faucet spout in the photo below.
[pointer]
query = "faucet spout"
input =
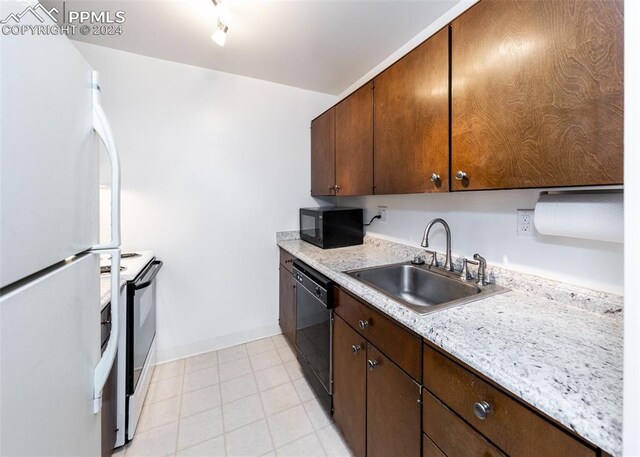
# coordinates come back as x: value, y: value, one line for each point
x: 448, y: 264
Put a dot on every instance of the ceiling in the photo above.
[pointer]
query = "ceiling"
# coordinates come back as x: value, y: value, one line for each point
x: 321, y: 45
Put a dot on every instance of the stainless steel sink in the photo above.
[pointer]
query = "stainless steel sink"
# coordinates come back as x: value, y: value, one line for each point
x: 423, y: 289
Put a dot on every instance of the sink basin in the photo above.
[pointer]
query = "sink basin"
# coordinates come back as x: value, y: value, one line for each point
x: 423, y: 289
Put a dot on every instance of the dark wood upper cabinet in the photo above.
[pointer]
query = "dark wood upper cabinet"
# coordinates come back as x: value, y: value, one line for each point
x: 537, y: 94
x: 350, y: 386
x: 354, y: 143
x: 393, y: 409
x: 323, y: 154
x: 411, y: 126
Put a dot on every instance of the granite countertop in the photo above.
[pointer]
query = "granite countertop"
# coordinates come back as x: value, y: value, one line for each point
x: 557, y: 347
x: 105, y: 289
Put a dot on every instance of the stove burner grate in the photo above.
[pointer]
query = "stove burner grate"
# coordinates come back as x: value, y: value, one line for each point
x: 107, y: 269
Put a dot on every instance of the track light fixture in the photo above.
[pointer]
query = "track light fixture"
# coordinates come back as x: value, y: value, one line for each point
x: 224, y: 19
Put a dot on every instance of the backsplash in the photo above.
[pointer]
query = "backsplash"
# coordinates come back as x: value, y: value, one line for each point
x: 486, y: 223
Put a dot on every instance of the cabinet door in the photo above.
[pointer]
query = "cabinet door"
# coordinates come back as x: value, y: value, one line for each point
x: 537, y: 94
x: 349, y: 386
x: 411, y: 126
x: 393, y: 409
x: 288, y: 305
x: 354, y: 143
x: 323, y: 154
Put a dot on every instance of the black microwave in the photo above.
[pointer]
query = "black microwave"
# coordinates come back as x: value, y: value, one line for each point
x: 331, y: 226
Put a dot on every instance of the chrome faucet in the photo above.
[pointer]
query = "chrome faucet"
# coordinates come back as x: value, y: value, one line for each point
x: 448, y: 264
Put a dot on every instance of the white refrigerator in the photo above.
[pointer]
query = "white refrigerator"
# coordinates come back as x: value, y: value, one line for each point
x: 51, y: 126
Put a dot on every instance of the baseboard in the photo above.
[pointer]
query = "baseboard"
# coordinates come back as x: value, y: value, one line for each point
x: 214, y: 344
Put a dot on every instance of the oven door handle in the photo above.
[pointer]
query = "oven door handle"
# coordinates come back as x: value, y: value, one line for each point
x: 155, y: 265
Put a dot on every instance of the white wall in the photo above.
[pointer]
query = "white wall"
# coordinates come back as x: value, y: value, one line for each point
x: 631, y: 422
x: 485, y: 222
x: 213, y: 165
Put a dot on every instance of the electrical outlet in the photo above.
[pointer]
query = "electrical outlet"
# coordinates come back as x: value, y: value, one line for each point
x: 382, y: 212
x: 525, y: 223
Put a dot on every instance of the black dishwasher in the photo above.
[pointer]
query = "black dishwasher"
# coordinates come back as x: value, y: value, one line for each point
x: 314, y: 316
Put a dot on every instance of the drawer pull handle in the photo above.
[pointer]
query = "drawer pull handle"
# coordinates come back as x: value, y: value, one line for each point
x: 481, y: 410
x: 356, y: 348
x: 363, y: 324
x: 372, y: 364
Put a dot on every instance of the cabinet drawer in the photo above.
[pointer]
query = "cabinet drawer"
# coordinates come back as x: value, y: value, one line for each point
x: 451, y: 434
x: 429, y: 449
x: 286, y: 260
x: 394, y: 341
x: 513, y: 427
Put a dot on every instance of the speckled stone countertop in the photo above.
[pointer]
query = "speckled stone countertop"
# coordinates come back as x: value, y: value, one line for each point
x: 105, y: 290
x: 557, y: 347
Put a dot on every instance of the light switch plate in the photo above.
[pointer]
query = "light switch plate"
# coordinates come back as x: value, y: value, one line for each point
x: 526, y: 226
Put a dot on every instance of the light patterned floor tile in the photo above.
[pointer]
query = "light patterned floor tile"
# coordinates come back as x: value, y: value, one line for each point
x: 168, y: 370
x: 294, y: 370
x: 159, y: 413
x: 307, y: 446
x: 271, y: 377
x: 286, y: 354
x: 164, y: 389
x: 211, y: 448
x: 242, y: 412
x: 238, y: 388
x: 260, y: 346
x: 289, y: 425
x: 319, y: 418
x: 201, y: 378
x: 279, y: 398
x: 233, y: 353
x: 279, y: 341
x: 332, y: 442
x: 157, y: 442
x: 304, y: 389
x: 199, y: 428
x: 250, y: 440
x: 234, y: 369
x: 200, y: 400
x: 200, y: 361
x: 264, y: 360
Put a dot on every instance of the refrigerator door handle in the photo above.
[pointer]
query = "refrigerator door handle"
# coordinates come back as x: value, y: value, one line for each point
x: 103, y: 129
x: 102, y: 370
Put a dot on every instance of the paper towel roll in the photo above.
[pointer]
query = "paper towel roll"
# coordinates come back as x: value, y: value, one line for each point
x: 591, y: 216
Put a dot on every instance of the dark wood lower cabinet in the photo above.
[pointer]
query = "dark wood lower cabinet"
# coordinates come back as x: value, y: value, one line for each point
x: 451, y: 434
x: 287, y: 305
x: 429, y: 449
x: 350, y: 386
x: 393, y: 409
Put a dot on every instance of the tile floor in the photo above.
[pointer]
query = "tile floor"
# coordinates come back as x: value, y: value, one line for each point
x: 247, y: 400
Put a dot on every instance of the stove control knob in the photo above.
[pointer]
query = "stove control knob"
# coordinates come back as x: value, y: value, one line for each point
x: 318, y: 292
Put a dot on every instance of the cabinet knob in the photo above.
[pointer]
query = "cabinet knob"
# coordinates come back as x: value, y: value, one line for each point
x: 363, y: 324
x: 356, y: 348
x: 331, y: 187
x: 481, y: 410
x: 372, y: 364
x: 435, y: 178
x: 461, y: 175
x: 337, y: 187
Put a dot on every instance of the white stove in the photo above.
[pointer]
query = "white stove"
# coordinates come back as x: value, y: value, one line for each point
x: 136, y: 349
x: 131, y: 264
